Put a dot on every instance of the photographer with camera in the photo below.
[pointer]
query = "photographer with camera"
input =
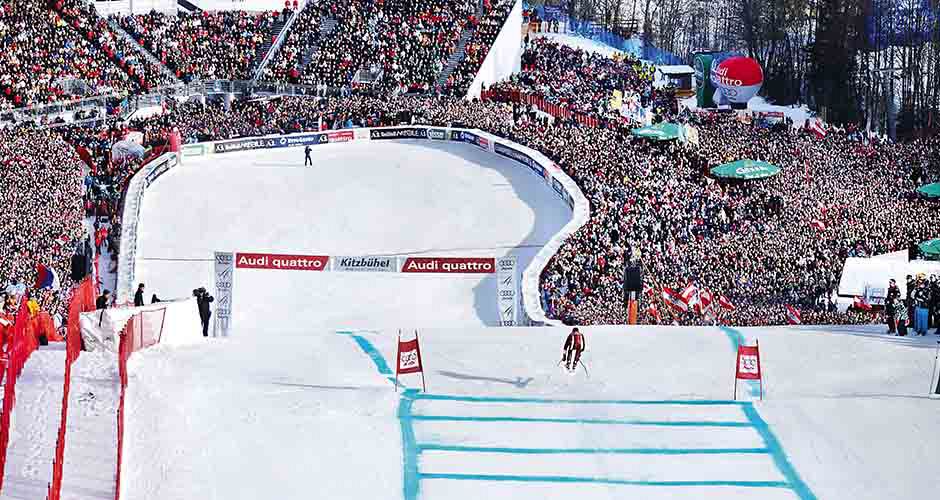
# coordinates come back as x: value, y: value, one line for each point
x: 203, y: 299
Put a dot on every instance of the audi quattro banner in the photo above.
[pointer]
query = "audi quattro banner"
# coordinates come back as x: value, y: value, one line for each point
x: 364, y: 264
x: 476, y: 140
x: 283, y: 262
x: 452, y: 265
x: 398, y: 133
x: 520, y: 157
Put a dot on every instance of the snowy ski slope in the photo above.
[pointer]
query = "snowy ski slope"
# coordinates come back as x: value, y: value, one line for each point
x: 300, y: 402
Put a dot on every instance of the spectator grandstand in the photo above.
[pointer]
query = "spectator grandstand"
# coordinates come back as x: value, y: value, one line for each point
x: 205, y: 45
x: 762, y: 244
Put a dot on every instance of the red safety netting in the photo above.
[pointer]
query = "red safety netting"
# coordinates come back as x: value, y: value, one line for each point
x: 83, y: 300
x: 143, y: 330
x: 20, y: 346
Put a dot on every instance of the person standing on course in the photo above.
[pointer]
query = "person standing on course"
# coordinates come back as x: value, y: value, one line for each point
x: 894, y: 293
x: 307, y: 159
x: 139, y: 296
x: 203, y: 299
x: 574, y: 345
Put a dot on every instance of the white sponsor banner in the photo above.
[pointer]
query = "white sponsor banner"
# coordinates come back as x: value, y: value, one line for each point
x: 224, y: 279
x: 507, y: 285
x: 376, y: 264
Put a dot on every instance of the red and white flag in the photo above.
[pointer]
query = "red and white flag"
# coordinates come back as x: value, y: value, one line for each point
x: 706, y: 298
x: 654, y: 313
x: 816, y: 127
x: 793, y: 316
x: 861, y: 303
x: 648, y: 290
x: 818, y: 224
x: 674, y: 300
x: 689, y: 294
x: 725, y: 303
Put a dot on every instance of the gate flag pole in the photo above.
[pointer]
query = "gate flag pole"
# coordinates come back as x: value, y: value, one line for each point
x: 424, y: 386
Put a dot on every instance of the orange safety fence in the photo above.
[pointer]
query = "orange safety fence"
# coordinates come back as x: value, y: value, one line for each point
x: 20, y: 346
x: 83, y: 300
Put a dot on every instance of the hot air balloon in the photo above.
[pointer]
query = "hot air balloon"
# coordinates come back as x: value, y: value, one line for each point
x: 738, y: 79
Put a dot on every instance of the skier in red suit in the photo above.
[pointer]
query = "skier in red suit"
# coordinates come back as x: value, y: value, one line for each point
x: 574, y: 345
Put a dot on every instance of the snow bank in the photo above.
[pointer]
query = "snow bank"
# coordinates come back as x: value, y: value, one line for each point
x: 181, y: 324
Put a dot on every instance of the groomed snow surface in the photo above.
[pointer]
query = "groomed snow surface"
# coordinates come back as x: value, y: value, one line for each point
x: 300, y: 403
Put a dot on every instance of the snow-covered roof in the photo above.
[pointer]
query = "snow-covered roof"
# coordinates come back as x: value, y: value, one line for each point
x: 679, y: 69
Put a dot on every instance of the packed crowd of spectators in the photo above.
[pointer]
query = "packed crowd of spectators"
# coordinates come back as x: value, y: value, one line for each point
x: 45, y: 58
x: 303, y: 37
x: 403, y: 44
x: 120, y: 50
x: 205, y: 45
x: 486, y: 29
x: 41, y: 179
x: 579, y: 80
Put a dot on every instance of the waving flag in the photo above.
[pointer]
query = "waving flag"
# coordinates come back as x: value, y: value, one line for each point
x: 46, y: 278
x: 654, y: 313
x: 674, y: 300
x: 705, y: 299
x: 689, y: 294
x: 793, y: 316
x: 725, y: 303
x: 861, y: 303
x: 818, y: 224
x: 816, y: 127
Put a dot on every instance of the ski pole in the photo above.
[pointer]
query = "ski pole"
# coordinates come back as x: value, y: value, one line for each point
x: 935, y: 357
x: 585, y: 368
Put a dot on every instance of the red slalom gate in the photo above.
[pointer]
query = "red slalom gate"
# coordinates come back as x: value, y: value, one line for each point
x: 747, y: 367
x: 408, y: 360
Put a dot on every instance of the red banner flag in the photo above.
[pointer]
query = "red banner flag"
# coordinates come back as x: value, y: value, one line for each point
x: 408, y: 359
x: 725, y: 303
x: 793, y: 316
x: 672, y: 298
x: 747, y: 367
x: 861, y: 303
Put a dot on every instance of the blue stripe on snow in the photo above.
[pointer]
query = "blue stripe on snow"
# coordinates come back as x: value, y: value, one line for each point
x: 592, y: 451
x: 780, y: 457
x: 600, y: 480
x: 371, y: 351
x: 587, y: 421
x: 479, y: 399
x: 411, y: 483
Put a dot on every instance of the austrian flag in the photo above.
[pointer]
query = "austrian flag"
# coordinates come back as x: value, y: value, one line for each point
x: 674, y: 300
x: 793, y: 316
x: 861, y: 303
x: 725, y: 303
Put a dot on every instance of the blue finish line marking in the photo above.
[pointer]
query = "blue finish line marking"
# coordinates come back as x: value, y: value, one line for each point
x: 601, y: 480
x: 583, y: 421
x: 411, y: 449
x: 597, y: 451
